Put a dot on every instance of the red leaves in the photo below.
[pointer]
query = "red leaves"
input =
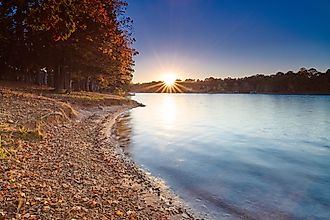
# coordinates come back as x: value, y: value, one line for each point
x: 87, y: 37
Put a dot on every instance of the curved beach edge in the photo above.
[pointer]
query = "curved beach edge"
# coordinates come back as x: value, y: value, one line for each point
x: 157, y: 189
x: 59, y: 161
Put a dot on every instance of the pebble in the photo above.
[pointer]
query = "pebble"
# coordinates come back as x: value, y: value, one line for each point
x: 92, y: 204
x: 33, y: 217
x: 68, y: 156
x: 46, y: 208
x: 27, y: 215
x: 76, y: 208
x: 10, y: 121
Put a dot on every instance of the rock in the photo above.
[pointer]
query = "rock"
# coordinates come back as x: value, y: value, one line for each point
x: 84, y: 209
x: 46, y: 208
x: 73, y: 169
x: 130, y: 213
x: 92, y: 204
x: 139, y: 208
x: 27, y: 215
x: 76, y: 208
x: 2, y: 213
x: 37, y: 198
x: 33, y: 217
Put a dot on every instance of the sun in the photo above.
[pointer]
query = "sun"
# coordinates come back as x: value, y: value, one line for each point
x: 169, y: 80
x: 169, y: 84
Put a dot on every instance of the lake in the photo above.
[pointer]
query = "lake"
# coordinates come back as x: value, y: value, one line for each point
x: 237, y: 156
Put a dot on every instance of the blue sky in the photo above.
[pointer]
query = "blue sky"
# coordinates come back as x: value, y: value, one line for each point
x: 221, y: 38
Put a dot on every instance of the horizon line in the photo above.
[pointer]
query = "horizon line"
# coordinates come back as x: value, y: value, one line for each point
x: 237, y: 77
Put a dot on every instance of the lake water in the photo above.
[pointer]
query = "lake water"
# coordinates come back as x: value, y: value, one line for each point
x: 237, y: 156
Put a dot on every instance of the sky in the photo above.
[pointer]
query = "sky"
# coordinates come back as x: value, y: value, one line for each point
x: 228, y: 38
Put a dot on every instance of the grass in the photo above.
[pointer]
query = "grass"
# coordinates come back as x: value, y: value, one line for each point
x: 88, y: 97
x: 4, y: 153
x: 83, y: 96
x: 10, y: 138
x: 29, y: 134
x: 22, y: 133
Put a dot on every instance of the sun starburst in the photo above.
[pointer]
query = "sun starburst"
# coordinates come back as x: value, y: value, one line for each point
x: 169, y: 80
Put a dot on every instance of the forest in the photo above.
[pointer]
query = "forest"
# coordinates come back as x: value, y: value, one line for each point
x: 304, y: 81
x: 67, y: 44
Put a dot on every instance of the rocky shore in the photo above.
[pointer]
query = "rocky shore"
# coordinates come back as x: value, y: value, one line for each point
x: 58, y: 161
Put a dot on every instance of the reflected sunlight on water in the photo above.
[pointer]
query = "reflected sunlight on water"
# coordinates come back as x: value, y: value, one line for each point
x: 238, y: 156
x: 168, y: 111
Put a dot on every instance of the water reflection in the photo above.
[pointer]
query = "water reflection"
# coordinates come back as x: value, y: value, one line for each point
x: 237, y: 156
x: 168, y: 111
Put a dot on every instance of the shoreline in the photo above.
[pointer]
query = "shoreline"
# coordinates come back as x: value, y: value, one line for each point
x: 76, y: 170
x: 239, y: 93
x: 156, y: 182
x: 158, y: 186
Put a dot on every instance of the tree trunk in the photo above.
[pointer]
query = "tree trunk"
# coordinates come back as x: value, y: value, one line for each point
x: 67, y: 79
x: 2, y: 72
x: 59, y: 80
x: 87, y: 84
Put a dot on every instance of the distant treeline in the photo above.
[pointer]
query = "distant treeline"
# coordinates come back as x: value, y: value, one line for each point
x: 305, y: 81
x: 82, y: 44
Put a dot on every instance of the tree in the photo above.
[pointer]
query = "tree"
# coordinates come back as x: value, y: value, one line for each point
x: 86, y: 40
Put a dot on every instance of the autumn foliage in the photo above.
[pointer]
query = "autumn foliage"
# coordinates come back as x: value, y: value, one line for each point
x: 82, y: 44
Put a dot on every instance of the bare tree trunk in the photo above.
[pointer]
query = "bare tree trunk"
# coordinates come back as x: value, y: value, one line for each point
x: 2, y: 72
x: 59, y: 80
x: 67, y: 79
